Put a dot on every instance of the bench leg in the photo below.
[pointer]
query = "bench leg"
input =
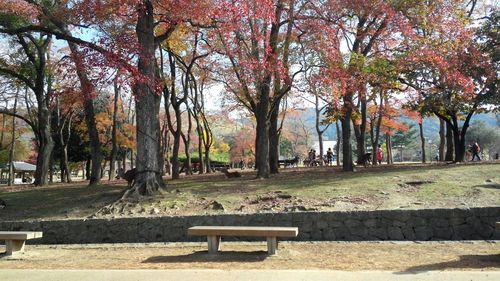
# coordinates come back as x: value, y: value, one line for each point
x: 14, y: 246
x: 272, y: 245
x: 213, y: 244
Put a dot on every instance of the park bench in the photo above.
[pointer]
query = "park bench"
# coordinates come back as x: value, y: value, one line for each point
x: 214, y: 234
x: 15, y: 240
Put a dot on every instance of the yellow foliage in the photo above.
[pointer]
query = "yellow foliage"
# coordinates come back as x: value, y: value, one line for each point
x: 176, y: 42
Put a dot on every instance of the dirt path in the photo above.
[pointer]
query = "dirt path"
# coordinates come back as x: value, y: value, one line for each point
x: 348, y: 256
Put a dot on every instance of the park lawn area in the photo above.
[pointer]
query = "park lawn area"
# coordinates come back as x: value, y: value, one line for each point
x: 411, y: 186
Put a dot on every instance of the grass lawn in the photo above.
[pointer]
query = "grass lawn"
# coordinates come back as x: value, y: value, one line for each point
x: 297, y: 189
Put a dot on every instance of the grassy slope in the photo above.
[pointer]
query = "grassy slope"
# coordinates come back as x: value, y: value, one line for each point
x: 322, y: 188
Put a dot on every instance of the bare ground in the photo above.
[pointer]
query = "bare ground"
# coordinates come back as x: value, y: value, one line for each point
x: 347, y: 256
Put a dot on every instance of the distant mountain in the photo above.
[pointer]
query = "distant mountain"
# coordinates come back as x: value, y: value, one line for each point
x: 431, y: 125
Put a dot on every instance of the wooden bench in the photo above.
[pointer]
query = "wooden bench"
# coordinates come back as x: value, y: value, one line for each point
x: 15, y: 240
x: 214, y: 234
x: 497, y: 225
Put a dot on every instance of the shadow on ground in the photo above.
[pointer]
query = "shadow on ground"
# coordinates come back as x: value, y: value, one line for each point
x: 489, y: 185
x: 464, y: 262
x: 204, y: 256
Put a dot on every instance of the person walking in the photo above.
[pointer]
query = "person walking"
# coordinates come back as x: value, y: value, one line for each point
x: 380, y: 154
x: 329, y: 156
x: 475, y: 151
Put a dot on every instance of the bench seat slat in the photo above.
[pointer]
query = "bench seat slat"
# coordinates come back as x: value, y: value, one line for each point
x: 19, y: 235
x: 243, y: 231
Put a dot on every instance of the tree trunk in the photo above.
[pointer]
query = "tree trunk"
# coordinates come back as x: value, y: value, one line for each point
x: 262, y: 138
x: 12, y: 146
x: 376, y: 134
x: 317, y: 124
x: 176, y: 147
x: 114, y: 149
x: 274, y: 140
x: 347, y: 164
x: 148, y: 179
x: 187, y: 144
x: 51, y: 170
x: 388, y: 143
x: 337, y: 148
x: 422, y: 141
x: 442, y: 140
x: 88, y: 91
x: 65, y: 153
x: 459, y: 138
x: 450, y: 149
x: 199, y: 131
x: 45, y: 147
x: 361, y: 130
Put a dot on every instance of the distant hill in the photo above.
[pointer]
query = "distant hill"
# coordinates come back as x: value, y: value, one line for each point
x: 431, y: 125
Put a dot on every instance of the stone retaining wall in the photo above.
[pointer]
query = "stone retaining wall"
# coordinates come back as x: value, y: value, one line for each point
x: 430, y: 224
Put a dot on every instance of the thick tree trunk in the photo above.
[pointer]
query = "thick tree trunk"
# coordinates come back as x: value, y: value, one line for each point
x: 317, y: 124
x: 347, y: 164
x: 148, y: 179
x: 450, y: 149
x: 262, y: 139
x: 88, y: 91
x: 46, y: 146
x: 274, y: 140
x: 95, y: 145
x: 339, y: 139
x: 459, y: 138
x: 442, y: 140
x: 422, y: 141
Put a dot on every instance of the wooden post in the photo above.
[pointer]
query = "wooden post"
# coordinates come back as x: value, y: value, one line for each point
x: 272, y: 245
x: 213, y: 244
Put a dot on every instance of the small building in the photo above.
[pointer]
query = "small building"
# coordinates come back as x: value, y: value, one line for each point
x: 23, y: 172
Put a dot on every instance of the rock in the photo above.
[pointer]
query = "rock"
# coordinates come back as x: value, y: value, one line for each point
x: 216, y: 206
x: 3, y: 205
x: 178, y: 190
x: 489, y: 180
x: 284, y: 196
x: 154, y: 211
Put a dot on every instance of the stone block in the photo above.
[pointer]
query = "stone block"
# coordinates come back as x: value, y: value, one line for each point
x: 341, y: 233
x: 395, y: 233
x: 463, y: 232
x: 378, y: 232
x: 444, y: 233
x: 336, y: 224
x: 408, y: 233
x: 417, y: 221
x: 439, y: 222
x: 352, y: 223
x: 329, y: 234
x: 370, y: 223
x: 423, y: 233
x: 360, y: 232
x: 322, y: 224
x: 456, y: 220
